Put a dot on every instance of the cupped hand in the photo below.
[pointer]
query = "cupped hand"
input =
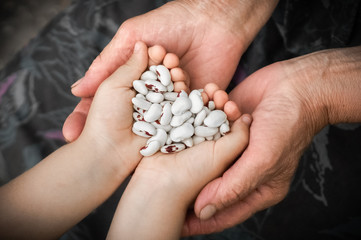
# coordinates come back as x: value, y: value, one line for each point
x: 208, y: 36
x: 110, y: 120
x: 288, y: 107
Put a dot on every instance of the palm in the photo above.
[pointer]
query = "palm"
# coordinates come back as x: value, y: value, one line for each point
x: 280, y: 131
x: 207, y: 51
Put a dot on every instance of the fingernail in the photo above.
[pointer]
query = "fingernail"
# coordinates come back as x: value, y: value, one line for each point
x: 247, y: 119
x: 207, y: 212
x: 76, y: 83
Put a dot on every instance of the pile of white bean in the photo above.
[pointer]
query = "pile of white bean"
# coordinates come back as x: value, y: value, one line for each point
x: 172, y: 121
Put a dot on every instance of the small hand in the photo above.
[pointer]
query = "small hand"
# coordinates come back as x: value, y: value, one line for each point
x: 164, y: 186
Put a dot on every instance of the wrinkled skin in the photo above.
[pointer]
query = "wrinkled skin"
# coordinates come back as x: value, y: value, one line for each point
x: 290, y: 102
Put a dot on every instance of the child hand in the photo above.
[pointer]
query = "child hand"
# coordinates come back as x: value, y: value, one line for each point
x: 164, y: 185
x: 109, y: 123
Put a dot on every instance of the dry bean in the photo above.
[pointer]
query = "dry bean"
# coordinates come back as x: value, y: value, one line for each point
x: 180, y: 119
x: 154, y: 97
x: 197, y: 101
x: 182, y: 132
x: 175, y: 147
x: 144, y: 129
x: 149, y: 75
x: 215, y: 118
x: 203, y: 131
x: 151, y: 148
x: 141, y: 103
x: 181, y: 105
x: 153, y: 113
x: 163, y: 75
x: 140, y: 87
x: 155, y: 86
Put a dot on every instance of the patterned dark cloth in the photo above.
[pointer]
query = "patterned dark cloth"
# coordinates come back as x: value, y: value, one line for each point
x: 324, y: 200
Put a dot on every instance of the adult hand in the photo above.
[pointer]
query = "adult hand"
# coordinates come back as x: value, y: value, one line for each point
x: 208, y: 36
x: 290, y: 102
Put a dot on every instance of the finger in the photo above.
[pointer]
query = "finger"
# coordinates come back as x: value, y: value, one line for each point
x: 179, y: 86
x: 74, y: 124
x: 205, y: 98
x: 132, y: 69
x: 220, y: 97
x: 232, y: 111
x: 206, y: 165
x: 156, y: 55
x: 210, y: 89
x: 113, y: 55
x: 243, y: 177
x: 240, y: 211
x: 178, y: 75
x: 171, y: 60
x: 234, y: 143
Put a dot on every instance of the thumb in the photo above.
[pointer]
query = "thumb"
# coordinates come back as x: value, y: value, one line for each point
x: 113, y: 55
x: 235, y: 184
x: 132, y: 69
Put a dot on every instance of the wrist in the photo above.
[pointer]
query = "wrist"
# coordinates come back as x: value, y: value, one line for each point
x: 116, y: 161
x: 328, y: 82
x: 242, y: 18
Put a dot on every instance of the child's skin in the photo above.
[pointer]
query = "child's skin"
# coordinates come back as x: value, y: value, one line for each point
x: 156, y: 200
x: 65, y: 187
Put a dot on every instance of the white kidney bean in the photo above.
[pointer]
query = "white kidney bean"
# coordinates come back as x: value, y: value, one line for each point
x: 210, y: 138
x: 200, y: 118
x: 139, y: 95
x: 170, y: 87
x: 166, y: 115
x: 182, y: 132
x: 190, y: 120
x: 188, y: 142
x: 154, y: 97
x: 160, y: 136
x: 155, y: 86
x: 224, y: 128
x: 139, y: 86
x: 197, y: 101
x: 215, y: 118
x: 141, y: 103
x: 144, y: 129
x: 180, y: 119
x: 169, y: 140
x: 138, y: 117
x: 175, y: 147
x: 207, y: 110
x: 151, y: 148
x: 203, y: 131
x: 217, y: 136
x: 163, y: 75
x: 165, y: 102
x: 197, y: 139
x: 182, y: 93
x: 153, y: 113
x: 149, y: 75
x: 181, y: 105
x: 139, y: 110
x: 153, y: 68
x: 172, y: 121
x: 157, y: 124
x: 211, y: 105
x: 171, y: 96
